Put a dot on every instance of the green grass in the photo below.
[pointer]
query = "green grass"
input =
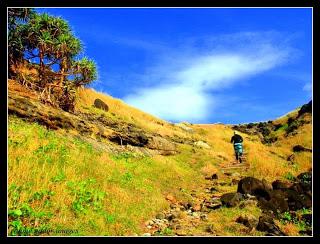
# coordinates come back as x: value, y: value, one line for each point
x: 75, y: 187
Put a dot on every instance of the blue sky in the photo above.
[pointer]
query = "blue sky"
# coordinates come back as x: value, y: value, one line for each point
x: 202, y: 65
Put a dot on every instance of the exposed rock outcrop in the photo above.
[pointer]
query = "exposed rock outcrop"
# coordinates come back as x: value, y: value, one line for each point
x: 86, y: 124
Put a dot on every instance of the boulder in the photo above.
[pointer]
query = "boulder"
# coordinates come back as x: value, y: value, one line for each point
x: 276, y: 203
x: 246, y: 203
x: 249, y: 221
x: 214, y: 177
x: 297, y: 201
x: 231, y: 199
x: 98, y: 103
x: 267, y: 224
x: 161, y: 144
x: 253, y: 186
x: 202, y: 144
x: 133, y: 138
x: 278, y: 185
x: 299, y: 148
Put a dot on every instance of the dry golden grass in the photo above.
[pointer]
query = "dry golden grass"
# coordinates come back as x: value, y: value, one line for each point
x: 127, y: 113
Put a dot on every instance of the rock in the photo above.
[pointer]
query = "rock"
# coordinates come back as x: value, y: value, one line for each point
x: 247, y: 203
x: 184, y: 127
x: 276, y: 203
x: 253, y: 186
x: 297, y: 201
x: 213, y: 189
x: 214, y: 177
x: 250, y: 197
x: 98, y: 103
x: 202, y: 144
x: 231, y: 199
x: 299, y: 148
x: 160, y: 216
x: 162, y: 145
x: 134, y: 138
x: 267, y: 185
x: 267, y: 224
x: 307, y: 232
x: 302, y: 187
x: 172, y: 205
x: 307, y: 218
x: 249, y: 221
x: 53, y: 118
x: 187, y: 205
x: 213, y: 206
x: 234, y: 182
x: 279, y: 185
x: 171, y: 216
x: 306, y: 108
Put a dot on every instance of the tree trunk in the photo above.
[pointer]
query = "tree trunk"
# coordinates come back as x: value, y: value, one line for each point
x: 41, y: 71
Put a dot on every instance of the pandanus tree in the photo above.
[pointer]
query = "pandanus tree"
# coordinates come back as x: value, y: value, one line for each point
x: 49, y: 40
x: 17, y: 17
x: 67, y: 47
x: 85, y: 71
x: 40, y: 36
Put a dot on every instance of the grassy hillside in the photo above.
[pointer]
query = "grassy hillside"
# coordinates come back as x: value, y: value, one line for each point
x: 59, y: 180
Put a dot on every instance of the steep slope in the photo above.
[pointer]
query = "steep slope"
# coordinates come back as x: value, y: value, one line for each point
x: 108, y: 173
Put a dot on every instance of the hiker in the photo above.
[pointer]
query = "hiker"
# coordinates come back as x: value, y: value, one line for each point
x: 237, y: 140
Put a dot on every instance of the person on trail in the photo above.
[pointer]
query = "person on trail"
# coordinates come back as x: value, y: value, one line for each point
x: 237, y: 140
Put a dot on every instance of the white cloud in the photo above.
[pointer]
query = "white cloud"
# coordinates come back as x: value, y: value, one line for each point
x: 186, y: 80
x: 172, y: 102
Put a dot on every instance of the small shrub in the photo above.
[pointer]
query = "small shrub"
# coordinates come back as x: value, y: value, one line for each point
x: 25, y: 221
x: 86, y: 197
x: 289, y: 176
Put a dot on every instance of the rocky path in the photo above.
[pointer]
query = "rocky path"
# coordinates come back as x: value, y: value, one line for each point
x: 190, y: 218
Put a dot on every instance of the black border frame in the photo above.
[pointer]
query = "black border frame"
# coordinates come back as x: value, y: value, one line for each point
x: 315, y: 4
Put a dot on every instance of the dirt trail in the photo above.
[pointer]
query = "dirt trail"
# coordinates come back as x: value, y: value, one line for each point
x: 190, y: 218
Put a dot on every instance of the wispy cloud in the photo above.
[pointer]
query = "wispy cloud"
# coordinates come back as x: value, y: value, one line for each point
x: 307, y: 87
x: 186, y: 80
